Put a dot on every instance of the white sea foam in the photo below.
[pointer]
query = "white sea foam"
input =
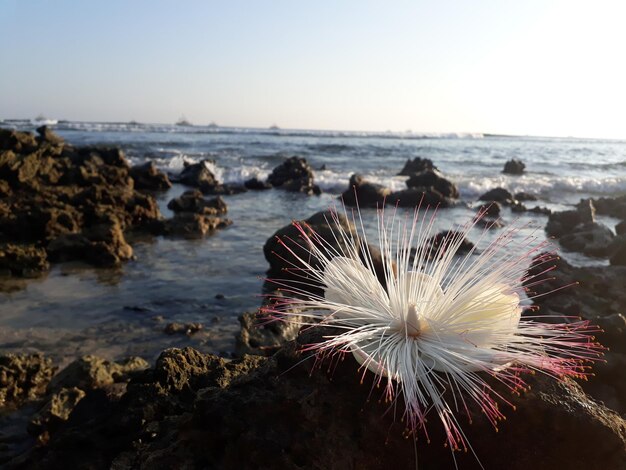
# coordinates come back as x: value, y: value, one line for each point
x: 543, y: 186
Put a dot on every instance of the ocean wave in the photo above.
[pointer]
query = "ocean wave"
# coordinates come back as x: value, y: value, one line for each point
x: 543, y: 186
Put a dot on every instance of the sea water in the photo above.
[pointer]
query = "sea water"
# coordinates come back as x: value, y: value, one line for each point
x: 118, y: 312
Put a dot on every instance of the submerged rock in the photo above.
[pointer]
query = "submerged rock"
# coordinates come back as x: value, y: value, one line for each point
x: 514, y: 167
x: 257, y: 185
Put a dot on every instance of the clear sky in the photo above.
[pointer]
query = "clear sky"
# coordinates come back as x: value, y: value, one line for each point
x: 520, y: 67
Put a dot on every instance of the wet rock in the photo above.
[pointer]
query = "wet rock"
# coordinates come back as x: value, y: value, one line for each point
x: 182, y: 328
x: 620, y: 228
x: 568, y: 291
x: 618, y: 247
x: 46, y: 135
x: 16, y: 141
x: 524, y: 196
x: 23, y: 260
x: 282, y: 257
x: 101, y: 245
x: 149, y: 177
x: 363, y: 193
x: 197, y: 175
x: 74, y: 203
x: 438, y: 244
x: 433, y: 179
x: 490, y: 209
x: 295, y: 175
x: 514, y: 167
x: 414, y: 197
x: 194, y: 202
x: 198, y: 411
x: 611, y: 206
x: 497, y: 194
x: 417, y: 165
x: 561, y: 223
x: 23, y: 377
x: 256, y: 184
x: 92, y: 372
x: 591, y: 239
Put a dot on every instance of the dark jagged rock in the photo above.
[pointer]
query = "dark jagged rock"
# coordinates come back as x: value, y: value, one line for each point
x: 523, y: 196
x: 256, y: 184
x: 364, y: 193
x: 582, y: 291
x: 499, y: 195
x: 73, y: 203
x: 417, y: 165
x: 564, y: 222
x: 193, y: 201
x: 436, y: 245
x: 618, y: 247
x: 514, y: 167
x: 620, y: 228
x: 23, y: 260
x: 198, y: 175
x: 199, y: 411
x: 435, y: 180
x: 46, y: 135
x: 611, y: 206
x: 92, y: 372
x: 263, y: 338
x: 23, y: 378
x: 490, y: 209
x: 149, y: 177
x: 592, y: 239
x: 282, y: 256
x: 578, y: 230
x: 295, y: 175
x: 414, y: 197
x: 56, y: 410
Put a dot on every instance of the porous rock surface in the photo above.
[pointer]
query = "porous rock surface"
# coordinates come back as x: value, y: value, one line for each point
x: 198, y: 411
x: 597, y: 294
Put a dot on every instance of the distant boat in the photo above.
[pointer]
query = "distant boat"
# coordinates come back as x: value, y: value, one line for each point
x: 42, y: 120
x: 132, y: 122
x: 183, y: 122
x: 274, y: 127
x: 213, y: 125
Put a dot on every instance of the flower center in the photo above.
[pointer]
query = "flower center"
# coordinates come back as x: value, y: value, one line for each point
x: 412, y: 324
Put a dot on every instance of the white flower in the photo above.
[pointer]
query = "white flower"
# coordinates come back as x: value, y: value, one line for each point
x: 441, y: 323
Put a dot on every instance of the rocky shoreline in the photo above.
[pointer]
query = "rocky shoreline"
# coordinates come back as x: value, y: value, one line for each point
x: 269, y: 407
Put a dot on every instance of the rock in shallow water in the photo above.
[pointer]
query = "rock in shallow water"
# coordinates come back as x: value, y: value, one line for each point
x: 199, y: 411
